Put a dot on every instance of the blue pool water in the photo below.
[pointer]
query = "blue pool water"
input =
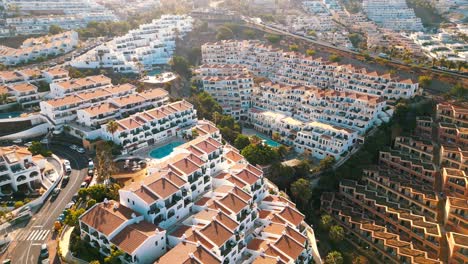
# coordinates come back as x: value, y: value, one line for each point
x: 154, y: 72
x: 163, y: 151
x: 10, y: 115
x: 270, y: 142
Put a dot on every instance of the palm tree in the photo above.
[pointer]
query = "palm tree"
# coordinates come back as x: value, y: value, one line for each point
x: 112, y: 127
x: 3, y: 98
x: 255, y: 140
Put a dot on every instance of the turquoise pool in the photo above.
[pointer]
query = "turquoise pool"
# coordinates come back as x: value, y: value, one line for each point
x: 154, y: 72
x: 10, y: 115
x: 163, y: 151
x: 270, y: 142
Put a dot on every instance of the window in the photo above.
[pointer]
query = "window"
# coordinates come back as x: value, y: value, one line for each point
x: 156, y: 243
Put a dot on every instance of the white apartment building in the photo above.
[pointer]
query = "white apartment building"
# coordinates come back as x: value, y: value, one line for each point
x: 150, y: 45
x: 30, y: 25
x: 35, y: 48
x: 59, y: 89
x: 231, y: 92
x: 210, y: 204
x: 443, y: 45
x: 357, y: 111
x: 323, y: 140
x: 32, y: 75
x: 393, y: 14
x: 151, y: 126
x: 95, y: 106
x: 297, y: 69
x: 18, y: 166
x: 110, y: 224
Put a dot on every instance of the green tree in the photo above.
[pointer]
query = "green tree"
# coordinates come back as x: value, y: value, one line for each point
x: 105, y: 165
x: 424, y: 81
x: 293, y: 47
x: 55, y: 29
x: 37, y: 148
x: 272, y: 38
x: 73, y: 215
x: 312, y: 33
x: 310, y: 52
x: 334, y: 257
x: 334, y: 58
x: 224, y: 32
x: 326, y: 221
x: 112, y: 127
x: 301, y: 190
x: 249, y: 33
x: 90, y: 203
x: 281, y: 175
x: 241, y: 142
x: 181, y: 66
x: 336, y: 233
x: 114, y: 257
x: 355, y: 39
x: 99, y: 192
x: 327, y: 163
x: 260, y: 154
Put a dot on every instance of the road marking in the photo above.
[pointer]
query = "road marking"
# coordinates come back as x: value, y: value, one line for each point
x: 37, y: 235
x: 37, y: 226
x: 36, y: 244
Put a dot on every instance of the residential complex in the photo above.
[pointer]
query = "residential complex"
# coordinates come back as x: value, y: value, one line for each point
x: 393, y: 14
x: 444, y: 45
x: 18, y: 167
x: 41, y: 47
x: 298, y: 69
x: 317, y: 107
x: 148, y: 46
x: 21, y: 86
x: 200, y: 204
x: 414, y: 202
x: 25, y: 17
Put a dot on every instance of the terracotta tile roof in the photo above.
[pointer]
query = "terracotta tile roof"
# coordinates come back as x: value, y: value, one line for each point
x: 267, y: 260
x: 57, y: 72
x: 106, y: 218
x: 289, y: 246
x: 128, y: 123
x: 189, y: 253
x: 234, y: 203
x: 186, y: 166
x: 24, y: 87
x: 65, y: 101
x: 154, y: 93
x: 163, y: 188
x: 291, y: 215
x: 100, y: 109
x: 133, y: 236
x: 217, y: 233
x: 122, y: 88
x: 247, y: 176
x: 233, y: 156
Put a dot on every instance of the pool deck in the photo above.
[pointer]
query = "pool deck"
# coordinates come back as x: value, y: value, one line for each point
x: 253, y: 132
x: 144, y: 153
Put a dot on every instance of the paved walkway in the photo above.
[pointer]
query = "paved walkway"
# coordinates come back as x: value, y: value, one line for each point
x: 64, y: 244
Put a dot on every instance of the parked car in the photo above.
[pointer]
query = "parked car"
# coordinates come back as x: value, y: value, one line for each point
x: 68, y: 169
x: 88, y: 179
x: 74, y: 198
x: 73, y: 146
x: 55, y: 193
x: 69, y: 205
x: 65, y: 180
x: 28, y: 144
x: 91, y: 172
x: 44, y: 252
x: 81, y: 150
x: 84, y: 185
x: 66, y: 162
x: 91, y: 165
x: 18, y: 141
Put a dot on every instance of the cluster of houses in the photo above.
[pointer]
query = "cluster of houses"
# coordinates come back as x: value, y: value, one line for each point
x: 28, y: 17
x: 316, y: 106
x: 144, y: 48
x: 41, y: 47
x: 395, y: 209
x: 84, y: 106
x: 203, y: 203
x: 21, y: 86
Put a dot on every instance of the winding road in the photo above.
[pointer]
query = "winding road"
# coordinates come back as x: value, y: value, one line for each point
x: 27, y: 241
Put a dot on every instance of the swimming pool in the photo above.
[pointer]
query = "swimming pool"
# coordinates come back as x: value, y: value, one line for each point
x: 270, y: 142
x: 163, y: 151
x: 10, y: 115
x: 154, y: 72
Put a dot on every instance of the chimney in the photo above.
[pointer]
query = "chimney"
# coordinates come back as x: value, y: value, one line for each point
x: 133, y: 215
x: 191, y: 255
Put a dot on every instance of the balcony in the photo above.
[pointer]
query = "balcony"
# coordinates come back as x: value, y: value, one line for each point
x: 228, y: 247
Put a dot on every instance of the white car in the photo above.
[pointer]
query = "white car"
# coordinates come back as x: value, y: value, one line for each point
x: 81, y: 150
x: 18, y: 141
x: 68, y: 169
x: 74, y: 147
x: 66, y: 162
x: 44, y: 141
x: 28, y: 144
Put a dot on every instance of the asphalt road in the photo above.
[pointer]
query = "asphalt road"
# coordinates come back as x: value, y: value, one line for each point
x: 25, y: 248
